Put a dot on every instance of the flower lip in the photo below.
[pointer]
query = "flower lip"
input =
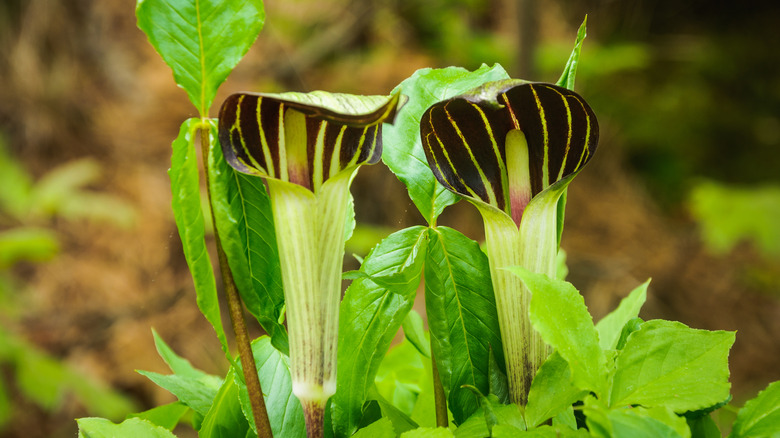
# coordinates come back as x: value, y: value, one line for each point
x: 466, y: 140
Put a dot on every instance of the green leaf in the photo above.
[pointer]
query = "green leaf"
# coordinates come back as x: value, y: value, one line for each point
x: 403, y: 152
x: 400, y: 377
x: 195, y: 392
x: 499, y: 386
x: 401, y: 421
x: 668, y: 364
x: 462, y: 316
x: 179, y: 365
x: 191, y: 225
x: 476, y: 426
x: 428, y: 432
x: 369, y: 318
x: 704, y: 427
x: 284, y: 410
x: 225, y: 418
x: 201, y: 40
x: 382, y: 428
x: 131, y: 428
x: 559, y: 314
x: 760, y: 417
x: 414, y: 331
x: 166, y: 416
x: 570, y: 71
x: 245, y: 223
x: 31, y: 244
x: 610, y: 326
x: 551, y: 391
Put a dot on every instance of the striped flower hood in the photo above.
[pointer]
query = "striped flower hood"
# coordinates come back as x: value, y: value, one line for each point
x: 505, y: 142
x: 300, y: 138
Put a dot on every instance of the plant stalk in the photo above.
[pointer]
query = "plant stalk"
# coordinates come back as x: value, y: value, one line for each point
x: 439, y: 397
x: 236, y: 311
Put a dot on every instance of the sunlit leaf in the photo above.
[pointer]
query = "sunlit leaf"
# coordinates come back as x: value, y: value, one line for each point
x: 551, y: 391
x: 131, y: 428
x: 610, y: 326
x: 462, y: 316
x: 166, y: 416
x: 370, y: 316
x: 225, y: 418
x: 201, y: 40
x: 191, y: 225
x: 760, y: 417
x: 404, y: 154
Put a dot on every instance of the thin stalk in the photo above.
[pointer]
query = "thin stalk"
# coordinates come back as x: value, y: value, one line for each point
x: 439, y: 397
x: 236, y: 311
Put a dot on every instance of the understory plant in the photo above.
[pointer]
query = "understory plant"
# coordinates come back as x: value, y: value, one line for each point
x: 510, y: 348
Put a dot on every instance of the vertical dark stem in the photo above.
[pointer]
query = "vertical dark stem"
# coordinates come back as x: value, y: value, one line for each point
x: 236, y: 312
x: 439, y: 397
x: 314, y: 415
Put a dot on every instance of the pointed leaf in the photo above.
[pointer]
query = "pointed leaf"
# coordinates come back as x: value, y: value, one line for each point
x: 551, y: 392
x: 404, y: 154
x: 610, y: 326
x: 382, y: 428
x: 570, y: 71
x: 414, y: 331
x: 462, y: 316
x: 559, y: 314
x: 760, y: 417
x: 201, y: 40
x: 668, y: 364
x: 303, y: 138
x: 284, y: 410
x: 189, y: 221
x: 197, y: 393
x: 131, y: 428
x: 245, y: 223
x: 225, y: 418
x: 369, y: 318
x: 166, y: 416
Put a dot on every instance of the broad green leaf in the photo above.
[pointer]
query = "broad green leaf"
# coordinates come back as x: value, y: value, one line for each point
x: 551, y: 392
x: 191, y: 225
x: 369, y: 318
x: 414, y: 331
x: 760, y: 417
x: 428, y: 432
x: 245, y: 223
x: 130, y: 428
x: 570, y: 71
x: 403, y: 153
x: 401, y: 421
x: 668, y: 364
x: 382, y: 428
x: 195, y: 392
x: 610, y: 326
x: 166, y: 416
x: 284, y: 410
x: 704, y: 427
x: 179, y: 365
x: 201, y: 40
x: 476, y: 426
x: 637, y: 422
x: 506, y: 431
x: 462, y: 316
x: 499, y: 386
x: 559, y: 314
x: 225, y: 418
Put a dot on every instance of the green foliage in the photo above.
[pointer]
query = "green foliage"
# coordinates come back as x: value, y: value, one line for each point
x: 611, y: 326
x: 167, y: 416
x: 728, y: 215
x: 191, y: 225
x: 760, y: 417
x: 190, y: 36
x: 403, y: 152
x: 462, y: 316
x: 133, y: 427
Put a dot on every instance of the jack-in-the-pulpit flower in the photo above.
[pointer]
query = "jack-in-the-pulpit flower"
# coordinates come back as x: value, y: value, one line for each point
x: 511, y: 148
x: 308, y: 148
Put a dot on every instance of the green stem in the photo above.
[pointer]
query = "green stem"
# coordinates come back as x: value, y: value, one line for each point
x: 439, y: 397
x: 235, y: 309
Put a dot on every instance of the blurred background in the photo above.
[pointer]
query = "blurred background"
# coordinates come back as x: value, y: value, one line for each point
x: 685, y: 187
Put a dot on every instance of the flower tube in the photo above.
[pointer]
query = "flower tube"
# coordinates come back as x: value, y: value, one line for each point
x: 308, y: 148
x: 511, y: 148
